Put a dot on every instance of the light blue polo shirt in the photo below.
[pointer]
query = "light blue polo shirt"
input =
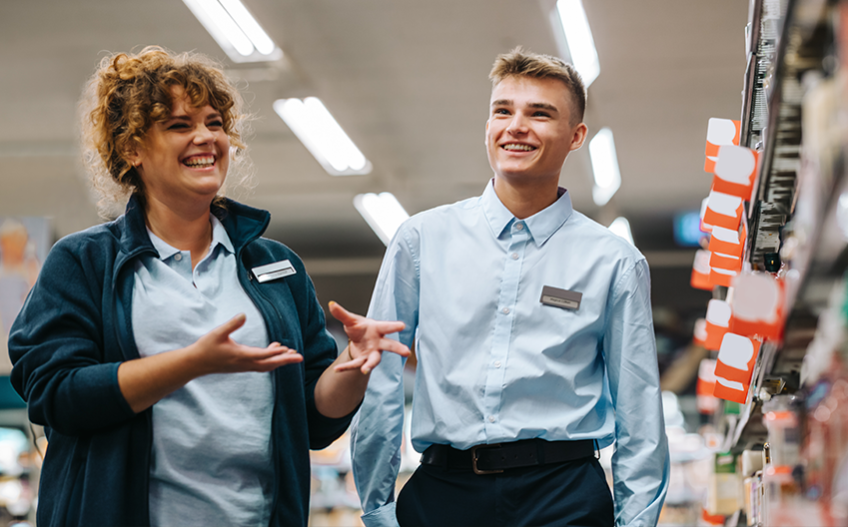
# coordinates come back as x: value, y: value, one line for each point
x: 212, y: 460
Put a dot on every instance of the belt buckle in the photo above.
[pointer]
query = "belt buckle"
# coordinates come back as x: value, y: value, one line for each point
x: 474, y: 450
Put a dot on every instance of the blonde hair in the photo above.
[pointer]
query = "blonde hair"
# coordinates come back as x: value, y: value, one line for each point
x: 522, y: 63
x: 128, y: 93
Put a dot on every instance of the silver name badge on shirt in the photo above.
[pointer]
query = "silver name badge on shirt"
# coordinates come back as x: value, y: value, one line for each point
x: 272, y: 271
x: 556, y: 297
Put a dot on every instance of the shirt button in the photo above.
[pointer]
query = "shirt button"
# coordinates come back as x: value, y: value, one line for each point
x: 491, y: 418
x: 497, y: 364
x: 505, y: 311
x: 519, y: 226
x: 178, y: 257
x: 514, y: 256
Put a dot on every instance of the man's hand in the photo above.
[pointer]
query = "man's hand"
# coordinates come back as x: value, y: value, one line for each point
x: 367, y: 339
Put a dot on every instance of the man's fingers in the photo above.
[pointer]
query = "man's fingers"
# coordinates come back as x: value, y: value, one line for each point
x: 231, y: 325
x: 343, y: 315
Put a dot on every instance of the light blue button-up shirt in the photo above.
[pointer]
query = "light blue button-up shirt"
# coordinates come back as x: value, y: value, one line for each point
x: 495, y: 364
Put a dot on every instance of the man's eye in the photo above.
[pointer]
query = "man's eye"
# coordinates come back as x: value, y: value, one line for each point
x: 541, y: 114
x: 502, y: 111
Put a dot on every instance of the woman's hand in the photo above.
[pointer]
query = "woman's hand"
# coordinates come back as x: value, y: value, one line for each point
x: 367, y: 339
x: 217, y: 352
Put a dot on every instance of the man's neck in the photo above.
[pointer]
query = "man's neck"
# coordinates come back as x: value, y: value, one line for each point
x: 525, y: 198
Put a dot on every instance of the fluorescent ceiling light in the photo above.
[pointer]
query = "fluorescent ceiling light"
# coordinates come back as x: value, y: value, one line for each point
x: 235, y: 30
x: 621, y: 228
x: 383, y: 213
x: 313, y: 124
x: 581, y: 46
x: 604, y: 166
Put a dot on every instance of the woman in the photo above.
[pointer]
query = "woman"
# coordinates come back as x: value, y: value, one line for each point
x: 158, y: 350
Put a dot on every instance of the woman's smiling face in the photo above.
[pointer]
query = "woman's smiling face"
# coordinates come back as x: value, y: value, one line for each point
x: 186, y: 156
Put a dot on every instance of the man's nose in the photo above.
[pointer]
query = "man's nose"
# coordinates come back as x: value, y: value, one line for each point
x: 517, y: 125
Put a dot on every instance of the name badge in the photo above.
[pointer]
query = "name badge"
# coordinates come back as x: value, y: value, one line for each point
x: 273, y: 271
x: 553, y: 296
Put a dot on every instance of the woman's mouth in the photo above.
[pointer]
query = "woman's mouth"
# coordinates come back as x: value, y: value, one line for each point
x: 202, y: 161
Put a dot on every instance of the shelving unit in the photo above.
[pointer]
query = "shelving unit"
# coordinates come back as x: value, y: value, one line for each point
x: 777, y: 68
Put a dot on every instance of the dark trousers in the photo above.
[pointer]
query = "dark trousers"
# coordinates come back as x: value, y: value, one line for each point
x: 573, y: 494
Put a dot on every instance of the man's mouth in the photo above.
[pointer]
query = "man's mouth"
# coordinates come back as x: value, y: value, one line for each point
x: 201, y: 161
x: 516, y: 147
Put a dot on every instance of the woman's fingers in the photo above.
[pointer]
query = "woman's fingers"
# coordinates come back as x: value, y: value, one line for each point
x: 229, y: 326
x: 343, y: 315
x: 387, y: 328
x: 354, y: 364
x: 394, y: 346
x: 371, y: 362
x: 281, y: 359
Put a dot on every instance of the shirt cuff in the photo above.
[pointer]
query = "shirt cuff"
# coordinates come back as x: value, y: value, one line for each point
x: 385, y: 516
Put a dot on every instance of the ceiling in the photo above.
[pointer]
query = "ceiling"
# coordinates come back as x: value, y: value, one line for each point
x: 408, y: 82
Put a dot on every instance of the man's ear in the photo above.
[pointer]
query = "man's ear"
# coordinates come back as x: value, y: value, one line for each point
x: 579, y: 136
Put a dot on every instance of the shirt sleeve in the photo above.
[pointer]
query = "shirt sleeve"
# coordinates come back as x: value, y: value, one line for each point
x: 319, y: 352
x: 640, y: 463
x: 56, y: 346
x: 377, y: 431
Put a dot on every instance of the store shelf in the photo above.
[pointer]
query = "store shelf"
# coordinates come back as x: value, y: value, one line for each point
x: 817, y: 257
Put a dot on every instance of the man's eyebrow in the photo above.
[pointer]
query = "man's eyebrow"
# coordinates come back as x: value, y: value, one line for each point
x: 502, y: 102
x: 543, y: 106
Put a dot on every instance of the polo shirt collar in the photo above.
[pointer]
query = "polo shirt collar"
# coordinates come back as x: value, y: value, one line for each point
x: 541, y: 225
x: 219, y: 237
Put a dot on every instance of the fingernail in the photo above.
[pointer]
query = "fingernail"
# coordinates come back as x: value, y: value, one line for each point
x: 332, y: 302
x: 366, y: 371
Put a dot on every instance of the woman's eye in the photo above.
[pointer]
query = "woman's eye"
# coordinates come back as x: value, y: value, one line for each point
x: 216, y: 123
x: 176, y: 126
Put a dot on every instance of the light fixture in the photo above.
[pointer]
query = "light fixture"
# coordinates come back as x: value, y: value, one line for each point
x: 383, y: 213
x: 571, y: 19
x: 621, y: 228
x: 313, y: 124
x: 235, y: 30
x: 604, y: 166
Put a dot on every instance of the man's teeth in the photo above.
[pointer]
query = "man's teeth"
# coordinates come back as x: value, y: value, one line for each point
x: 525, y: 148
x: 200, y: 161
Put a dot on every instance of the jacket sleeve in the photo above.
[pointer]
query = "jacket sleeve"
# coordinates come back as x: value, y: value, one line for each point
x: 319, y: 352
x: 56, y: 347
x: 640, y: 463
x: 378, y: 428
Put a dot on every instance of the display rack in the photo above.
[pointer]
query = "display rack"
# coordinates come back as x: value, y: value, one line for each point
x: 776, y: 72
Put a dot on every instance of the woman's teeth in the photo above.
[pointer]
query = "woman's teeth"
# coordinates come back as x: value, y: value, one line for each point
x: 200, y: 161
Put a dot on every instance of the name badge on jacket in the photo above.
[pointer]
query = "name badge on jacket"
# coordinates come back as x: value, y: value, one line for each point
x: 553, y: 296
x: 273, y: 271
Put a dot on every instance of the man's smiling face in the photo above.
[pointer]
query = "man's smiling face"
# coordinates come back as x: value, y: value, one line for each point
x: 529, y: 132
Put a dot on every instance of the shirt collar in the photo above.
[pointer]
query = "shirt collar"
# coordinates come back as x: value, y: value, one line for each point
x: 541, y: 225
x: 219, y: 237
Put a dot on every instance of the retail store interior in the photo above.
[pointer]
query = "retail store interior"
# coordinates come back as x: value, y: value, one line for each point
x: 751, y: 342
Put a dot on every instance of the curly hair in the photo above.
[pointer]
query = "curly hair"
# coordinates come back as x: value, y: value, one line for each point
x: 522, y: 63
x: 128, y: 93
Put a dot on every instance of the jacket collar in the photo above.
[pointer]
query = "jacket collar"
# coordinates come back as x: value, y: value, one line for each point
x: 541, y: 225
x: 242, y: 223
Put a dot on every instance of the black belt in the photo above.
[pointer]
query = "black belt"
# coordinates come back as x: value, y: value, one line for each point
x: 495, y: 458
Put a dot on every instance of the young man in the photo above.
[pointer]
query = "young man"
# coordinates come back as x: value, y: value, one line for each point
x: 534, y: 340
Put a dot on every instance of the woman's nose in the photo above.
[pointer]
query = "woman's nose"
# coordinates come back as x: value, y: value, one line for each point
x: 203, y: 135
